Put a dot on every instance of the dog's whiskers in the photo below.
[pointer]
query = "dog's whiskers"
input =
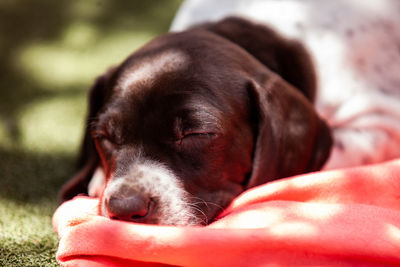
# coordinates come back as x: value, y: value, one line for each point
x: 206, y: 203
x: 199, y: 201
x: 200, y: 212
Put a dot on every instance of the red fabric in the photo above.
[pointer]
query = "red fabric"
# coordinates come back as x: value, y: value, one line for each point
x: 337, y: 218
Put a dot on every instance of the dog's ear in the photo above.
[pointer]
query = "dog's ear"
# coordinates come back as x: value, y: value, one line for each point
x: 290, y: 137
x: 288, y: 58
x: 88, y: 159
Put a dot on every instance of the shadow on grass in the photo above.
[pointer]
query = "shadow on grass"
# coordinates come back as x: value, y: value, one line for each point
x: 33, y: 177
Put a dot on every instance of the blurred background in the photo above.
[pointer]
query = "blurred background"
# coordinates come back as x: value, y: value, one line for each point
x: 50, y: 53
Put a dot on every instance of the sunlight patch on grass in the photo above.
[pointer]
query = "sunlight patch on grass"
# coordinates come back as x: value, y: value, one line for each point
x: 79, y: 57
x: 79, y: 36
x: 53, y: 124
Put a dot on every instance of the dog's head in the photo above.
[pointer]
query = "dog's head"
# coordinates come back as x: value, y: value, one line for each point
x: 192, y: 119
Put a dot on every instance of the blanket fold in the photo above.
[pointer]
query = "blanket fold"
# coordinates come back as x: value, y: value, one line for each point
x: 339, y: 218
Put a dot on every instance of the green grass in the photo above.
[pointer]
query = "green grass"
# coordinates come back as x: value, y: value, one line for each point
x: 51, y: 52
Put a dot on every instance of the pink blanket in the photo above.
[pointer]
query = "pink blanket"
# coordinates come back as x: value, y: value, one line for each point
x: 338, y: 218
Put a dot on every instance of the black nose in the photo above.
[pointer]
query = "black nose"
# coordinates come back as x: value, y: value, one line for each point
x: 132, y: 208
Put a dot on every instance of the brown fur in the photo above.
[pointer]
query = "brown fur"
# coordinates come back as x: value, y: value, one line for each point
x: 233, y: 112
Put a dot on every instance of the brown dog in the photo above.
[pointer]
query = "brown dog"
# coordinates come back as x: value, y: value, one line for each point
x: 192, y: 119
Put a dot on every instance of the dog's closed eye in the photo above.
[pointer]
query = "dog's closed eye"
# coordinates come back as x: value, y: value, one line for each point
x: 106, y: 144
x: 194, y: 132
x: 195, y: 138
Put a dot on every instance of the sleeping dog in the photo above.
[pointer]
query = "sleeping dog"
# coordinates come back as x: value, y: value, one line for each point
x: 192, y: 119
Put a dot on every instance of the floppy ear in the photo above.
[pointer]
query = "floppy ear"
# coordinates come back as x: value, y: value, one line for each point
x: 88, y: 159
x: 290, y: 137
x: 288, y: 58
